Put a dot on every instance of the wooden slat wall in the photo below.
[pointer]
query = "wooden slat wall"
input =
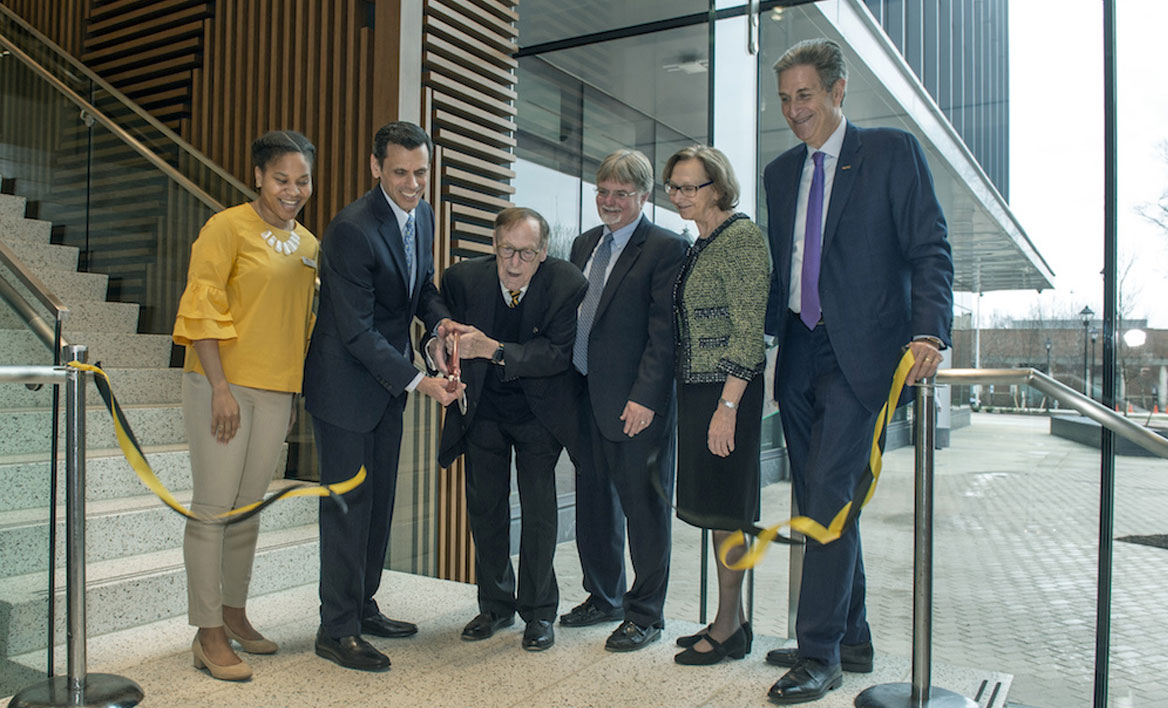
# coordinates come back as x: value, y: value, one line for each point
x: 306, y: 65
x: 59, y: 20
x: 149, y: 51
x: 468, y: 94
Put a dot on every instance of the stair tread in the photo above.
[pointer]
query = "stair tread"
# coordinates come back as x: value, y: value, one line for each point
x: 112, y: 507
x: 166, y: 560
x: 90, y: 453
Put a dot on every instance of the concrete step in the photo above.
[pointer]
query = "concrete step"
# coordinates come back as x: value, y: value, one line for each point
x: 107, y: 476
x: 101, y: 316
x: 18, y: 228
x: 27, y: 430
x: 120, y: 528
x: 124, y: 350
x: 74, y: 286
x: 39, y: 257
x: 12, y: 207
x: 150, y: 587
x: 96, y: 316
x: 131, y: 386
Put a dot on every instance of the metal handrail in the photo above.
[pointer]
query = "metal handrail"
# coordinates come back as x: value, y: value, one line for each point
x: 1094, y: 410
x: 129, y: 104
x: 44, y: 331
x: 89, y: 109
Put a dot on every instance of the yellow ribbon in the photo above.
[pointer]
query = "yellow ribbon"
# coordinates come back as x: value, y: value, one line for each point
x: 133, y: 454
x: 806, y: 525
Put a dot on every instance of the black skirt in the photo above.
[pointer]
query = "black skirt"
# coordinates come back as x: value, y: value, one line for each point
x: 718, y: 492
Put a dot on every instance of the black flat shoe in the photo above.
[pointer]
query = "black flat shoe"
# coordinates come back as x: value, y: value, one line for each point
x: 734, y: 647
x: 856, y: 658
x: 484, y: 625
x: 351, y: 652
x: 631, y: 636
x: 588, y: 613
x: 539, y: 635
x: 809, y: 681
x: 688, y: 640
x: 381, y: 626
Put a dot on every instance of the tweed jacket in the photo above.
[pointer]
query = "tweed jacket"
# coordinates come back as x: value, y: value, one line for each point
x: 719, y: 304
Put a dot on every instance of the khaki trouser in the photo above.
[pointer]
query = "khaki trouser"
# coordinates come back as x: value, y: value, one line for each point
x: 219, y: 557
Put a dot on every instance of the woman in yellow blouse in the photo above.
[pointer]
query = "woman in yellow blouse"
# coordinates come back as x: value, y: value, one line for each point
x: 244, y: 318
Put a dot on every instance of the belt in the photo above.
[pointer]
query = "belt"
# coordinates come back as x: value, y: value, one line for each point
x: 796, y: 315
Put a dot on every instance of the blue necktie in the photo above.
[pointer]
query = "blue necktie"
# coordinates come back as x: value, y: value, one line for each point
x: 410, y: 242
x: 588, y: 308
x: 812, y: 244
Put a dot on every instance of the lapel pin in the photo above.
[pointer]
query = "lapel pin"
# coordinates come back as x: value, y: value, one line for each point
x: 845, y: 167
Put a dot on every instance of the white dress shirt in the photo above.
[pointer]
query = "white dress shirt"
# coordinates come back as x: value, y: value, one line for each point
x: 831, y: 152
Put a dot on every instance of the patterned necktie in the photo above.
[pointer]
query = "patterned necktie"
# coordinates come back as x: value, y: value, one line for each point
x: 515, y: 297
x: 812, y: 244
x: 410, y: 241
x: 588, y: 308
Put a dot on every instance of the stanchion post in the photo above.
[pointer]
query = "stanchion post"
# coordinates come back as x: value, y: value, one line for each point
x: 920, y: 693
x: 77, y: 688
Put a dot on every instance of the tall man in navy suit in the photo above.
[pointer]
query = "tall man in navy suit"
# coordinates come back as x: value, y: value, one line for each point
x: 624, y: 355
x: 519, y: 308
x: 862, y: 270
x: 377, y: 274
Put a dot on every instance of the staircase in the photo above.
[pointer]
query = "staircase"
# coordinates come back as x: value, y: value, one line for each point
x: 134, y: 569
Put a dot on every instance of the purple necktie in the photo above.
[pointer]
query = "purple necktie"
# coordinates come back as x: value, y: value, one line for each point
x: 812, y: 243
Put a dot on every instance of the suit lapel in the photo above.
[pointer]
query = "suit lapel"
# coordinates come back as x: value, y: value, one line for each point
x: 536, y: 287
x: 628, y: 256
x: 589, y: 239
x: 846, y: 169
x: 390, y: 233
x: 787, y: 204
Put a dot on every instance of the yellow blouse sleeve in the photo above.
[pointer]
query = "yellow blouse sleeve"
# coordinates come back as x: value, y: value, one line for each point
x: 203, y: 311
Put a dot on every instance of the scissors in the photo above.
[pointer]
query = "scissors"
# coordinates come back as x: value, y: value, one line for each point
x: 455, y: 375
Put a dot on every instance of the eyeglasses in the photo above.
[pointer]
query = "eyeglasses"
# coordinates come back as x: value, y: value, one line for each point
x: 621, y: 194
x: 525, y: 254
x: 687, y: 189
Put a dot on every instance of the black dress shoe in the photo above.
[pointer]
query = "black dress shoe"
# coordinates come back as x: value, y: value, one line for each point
x: 381, y: 626
x: 809, y: 681
x: 588, y: 613
x: 857, y: 658
x: 631, y: 636
x: 539, y: 635
x: 734, y: 647
x: 688, y: 640
x: 351, y: 652
x: 484, y: 625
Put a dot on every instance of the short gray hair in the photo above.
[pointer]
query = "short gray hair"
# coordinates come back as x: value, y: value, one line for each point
x: 627, y: 167
x: 826, y: 56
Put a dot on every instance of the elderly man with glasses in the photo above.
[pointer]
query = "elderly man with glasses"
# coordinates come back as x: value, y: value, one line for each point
x: 519, y: 309
x: 624, y: 358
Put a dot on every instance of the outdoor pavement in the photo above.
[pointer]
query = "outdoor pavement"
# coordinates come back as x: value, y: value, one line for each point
x: 1016, y: 564
x: 1016, y: 537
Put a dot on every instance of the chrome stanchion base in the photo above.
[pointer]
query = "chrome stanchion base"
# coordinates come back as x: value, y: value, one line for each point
x: 100, y: 691
x: 899, y: 695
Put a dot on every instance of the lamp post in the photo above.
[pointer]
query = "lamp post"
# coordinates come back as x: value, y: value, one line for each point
x: 1045, y: 400
x: 1094, y: 336
x: 1085, y: 314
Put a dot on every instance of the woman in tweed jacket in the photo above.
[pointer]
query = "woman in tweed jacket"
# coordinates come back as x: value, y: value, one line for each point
x: 719, y: 303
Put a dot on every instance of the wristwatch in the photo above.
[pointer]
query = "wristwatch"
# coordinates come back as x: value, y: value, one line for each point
x: 497, y: 357
x: 729, y: 404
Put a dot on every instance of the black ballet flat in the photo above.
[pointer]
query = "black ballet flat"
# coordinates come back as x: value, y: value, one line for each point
x: 734, y: 647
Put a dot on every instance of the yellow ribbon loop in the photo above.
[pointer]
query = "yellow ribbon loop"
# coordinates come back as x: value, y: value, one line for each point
x: 864, y: 490
x: 132, y: 451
